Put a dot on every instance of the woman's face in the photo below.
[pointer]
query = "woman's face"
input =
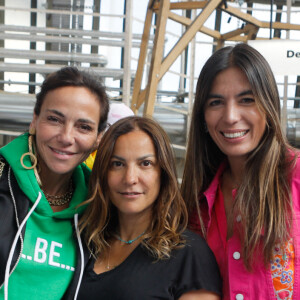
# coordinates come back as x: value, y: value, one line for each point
x: 232, y: 116
x: 66, y: 129
x: 134, y: 175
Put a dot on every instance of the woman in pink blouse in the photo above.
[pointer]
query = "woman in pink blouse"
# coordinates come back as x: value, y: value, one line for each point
x: 241, y: 180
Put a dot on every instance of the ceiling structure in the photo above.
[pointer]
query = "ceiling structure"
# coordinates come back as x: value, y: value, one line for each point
x: 164, y: 10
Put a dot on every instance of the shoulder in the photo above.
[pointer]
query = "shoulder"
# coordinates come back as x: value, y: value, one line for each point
x: 82, y: 174
x: 195, y: 266
x: 194, y: 253
x: 193, y: 239
x: 197, y: 254
x: 196, y: 244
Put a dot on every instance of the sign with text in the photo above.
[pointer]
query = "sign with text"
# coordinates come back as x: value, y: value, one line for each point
x: 282, y: 55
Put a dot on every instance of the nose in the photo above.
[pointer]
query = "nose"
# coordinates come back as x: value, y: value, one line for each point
x: 66, y: 135
x: 231, y: 113
x: 131, y: 175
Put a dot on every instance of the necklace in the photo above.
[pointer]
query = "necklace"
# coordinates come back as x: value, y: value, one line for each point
x: 60, y: 200
x: 130, y: 241
x: 108, y: 266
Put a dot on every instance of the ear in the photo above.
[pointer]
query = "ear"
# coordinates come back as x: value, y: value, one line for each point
x: 32, y: 125
x: 97, y: 142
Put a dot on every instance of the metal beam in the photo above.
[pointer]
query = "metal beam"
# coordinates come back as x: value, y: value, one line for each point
x: 49, y: 68
x: 53, y: 55
x: 66, y: 39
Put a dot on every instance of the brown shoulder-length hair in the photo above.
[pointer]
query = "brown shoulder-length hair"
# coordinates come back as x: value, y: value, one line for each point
x: 263, y: 199
x: 169, y: 216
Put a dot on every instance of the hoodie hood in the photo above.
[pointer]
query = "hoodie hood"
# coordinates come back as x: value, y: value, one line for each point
x: 13, y: 152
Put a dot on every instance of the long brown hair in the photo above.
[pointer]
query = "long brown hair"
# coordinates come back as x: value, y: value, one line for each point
x: 169, y: 216
x: 263, y: 199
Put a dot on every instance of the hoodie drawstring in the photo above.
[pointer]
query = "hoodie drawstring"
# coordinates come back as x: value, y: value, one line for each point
x: 12, y: 250
x: 81, y: 254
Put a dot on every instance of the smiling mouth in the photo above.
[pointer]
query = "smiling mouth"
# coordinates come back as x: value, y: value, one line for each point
x: 234, y: 135
x: 61, y: 152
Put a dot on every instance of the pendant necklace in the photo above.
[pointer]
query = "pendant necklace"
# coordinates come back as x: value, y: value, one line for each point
x: 108, y: 266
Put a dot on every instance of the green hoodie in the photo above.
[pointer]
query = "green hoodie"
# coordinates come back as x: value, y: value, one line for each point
x: 48, y: 259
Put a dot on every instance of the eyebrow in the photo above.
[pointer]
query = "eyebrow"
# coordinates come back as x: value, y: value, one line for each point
x: 140, y: 158
x: 247, y: 92
x: 63, y: 116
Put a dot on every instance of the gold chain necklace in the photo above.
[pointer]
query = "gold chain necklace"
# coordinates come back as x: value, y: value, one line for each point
x: 60, y: 200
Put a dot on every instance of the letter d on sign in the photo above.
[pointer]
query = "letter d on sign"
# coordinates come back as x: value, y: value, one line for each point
x: 40, y: 248
x: 290, y: 53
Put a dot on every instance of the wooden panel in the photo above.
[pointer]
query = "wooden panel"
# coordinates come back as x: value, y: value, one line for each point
x: 142, y: 98
x: 238, y: 32
x: 141, y: 62
x: 157, y: 55
x: 279, y: 25
x: 243, y: 16
x: 186, y: 21
x: 184, y: 5
x: 252, y: 33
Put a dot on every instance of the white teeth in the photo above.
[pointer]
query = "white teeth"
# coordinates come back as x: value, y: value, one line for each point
x: 235, y: 134
x: 59, y: 152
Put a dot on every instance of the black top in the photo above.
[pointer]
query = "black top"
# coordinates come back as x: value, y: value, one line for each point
x: 192, y: 267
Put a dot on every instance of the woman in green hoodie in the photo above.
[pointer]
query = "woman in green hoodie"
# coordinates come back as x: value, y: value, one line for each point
x: 42, y: 181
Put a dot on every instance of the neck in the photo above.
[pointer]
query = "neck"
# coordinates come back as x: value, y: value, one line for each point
x: 131, y: 228
x: 236, y: 170
x: 52, y: 183
x: 55, y: 185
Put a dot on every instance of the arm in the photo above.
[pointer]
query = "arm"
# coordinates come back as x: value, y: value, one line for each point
x: 199, y: 295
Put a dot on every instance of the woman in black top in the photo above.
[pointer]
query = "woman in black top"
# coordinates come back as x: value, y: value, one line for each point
x: 135, y: 223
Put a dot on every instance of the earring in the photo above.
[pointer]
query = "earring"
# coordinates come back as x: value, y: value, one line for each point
x: 32, y: 131
x: 33, y: 158
x: 30, y: 153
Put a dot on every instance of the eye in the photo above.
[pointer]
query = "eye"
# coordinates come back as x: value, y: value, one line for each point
x: 85, y: 127
x: 53, y: 119
x: 116, y: 164
x: 147, y: 163
x: 214, y: 102
x: 247, y: 100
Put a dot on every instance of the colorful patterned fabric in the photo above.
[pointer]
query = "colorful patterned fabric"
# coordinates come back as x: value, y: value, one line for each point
x: 282, y: 270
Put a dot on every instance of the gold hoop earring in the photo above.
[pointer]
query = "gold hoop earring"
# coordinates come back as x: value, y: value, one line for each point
x: 32, y: 131
x: 32, y: 158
